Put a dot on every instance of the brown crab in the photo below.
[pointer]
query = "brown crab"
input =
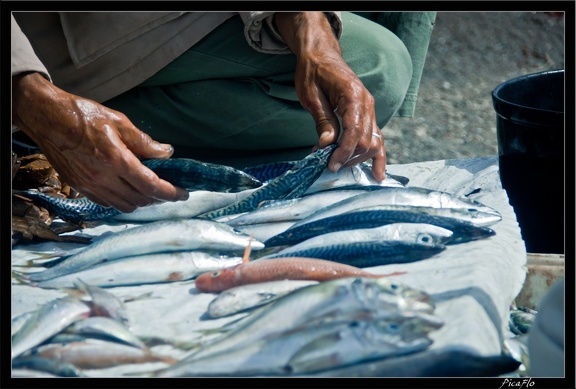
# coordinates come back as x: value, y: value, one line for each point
x: 30, y: 221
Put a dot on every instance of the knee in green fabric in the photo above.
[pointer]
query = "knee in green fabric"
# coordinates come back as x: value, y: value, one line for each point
x: 381, y: 61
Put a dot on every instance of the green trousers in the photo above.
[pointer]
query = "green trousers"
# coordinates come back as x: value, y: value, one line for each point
x: 223, y: 102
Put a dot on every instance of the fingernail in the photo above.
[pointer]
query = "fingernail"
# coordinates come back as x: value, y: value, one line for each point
x: 336, y: 167
x: 167, y: 147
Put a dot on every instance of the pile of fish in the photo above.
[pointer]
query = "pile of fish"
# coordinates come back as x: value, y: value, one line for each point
x: 318, y: 327
x: 69, y: 334
x: 291, y: 239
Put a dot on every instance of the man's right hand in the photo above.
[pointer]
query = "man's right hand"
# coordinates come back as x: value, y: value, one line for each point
x: 95, y: 149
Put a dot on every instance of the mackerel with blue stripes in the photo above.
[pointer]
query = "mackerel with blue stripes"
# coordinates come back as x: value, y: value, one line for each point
x: 191, y: 174
x: 291, y: 184
x: 463, y: 231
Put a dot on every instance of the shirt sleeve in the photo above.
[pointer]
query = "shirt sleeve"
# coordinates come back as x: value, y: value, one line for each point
x: 24, y: 58
x: 263, y: 36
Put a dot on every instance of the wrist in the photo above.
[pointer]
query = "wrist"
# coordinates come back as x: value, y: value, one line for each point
x: 32, y: 93
x: 307, y: 32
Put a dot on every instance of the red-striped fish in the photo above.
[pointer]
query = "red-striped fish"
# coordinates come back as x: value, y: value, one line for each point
x: 293, y: 268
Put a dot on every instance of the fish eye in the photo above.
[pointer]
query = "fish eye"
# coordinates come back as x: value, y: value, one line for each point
x: 394, y: 286
x: 216, y: 273
x: 394, y: 327
x: 425, y: 238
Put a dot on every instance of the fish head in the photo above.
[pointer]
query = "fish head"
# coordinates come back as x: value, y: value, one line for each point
x: 481, y: 217
x: 218, y: 280
x: 404, y: 332
x: 422, y: 233
x: 385, y: 295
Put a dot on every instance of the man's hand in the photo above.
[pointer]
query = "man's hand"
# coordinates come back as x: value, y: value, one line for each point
x: 330, y: 90
x: 92, y: 147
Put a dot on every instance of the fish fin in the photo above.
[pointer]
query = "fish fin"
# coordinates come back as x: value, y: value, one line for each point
x: 22, y: 278
x: 246, y: 256
x: 305, y: 356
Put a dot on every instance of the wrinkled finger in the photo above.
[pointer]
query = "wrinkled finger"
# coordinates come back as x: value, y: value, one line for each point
x: 142, y: 144
x: 146, y: 182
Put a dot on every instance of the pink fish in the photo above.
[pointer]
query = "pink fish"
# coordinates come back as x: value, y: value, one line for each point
x: 293, y: 268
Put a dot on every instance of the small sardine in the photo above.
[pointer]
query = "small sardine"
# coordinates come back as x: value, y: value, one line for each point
x: 244, y: 297
x: 96, y: 354
x: 107, y: 327
x: 48, y: 320
x: 156, y: 237
x: 56, y: 368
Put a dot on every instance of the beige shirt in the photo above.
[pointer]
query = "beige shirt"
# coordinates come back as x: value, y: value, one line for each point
x: 99, y: 55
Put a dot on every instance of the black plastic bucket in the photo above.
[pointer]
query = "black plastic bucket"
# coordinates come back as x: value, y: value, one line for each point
x: 530, y: 129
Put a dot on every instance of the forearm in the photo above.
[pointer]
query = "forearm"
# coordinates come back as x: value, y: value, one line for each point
x: 307, y: 32
x: 32, y: 97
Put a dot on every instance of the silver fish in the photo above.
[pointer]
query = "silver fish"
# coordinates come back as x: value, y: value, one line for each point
x: 104, y: 303
x: 330, y: 301
x: 19, y: 320
x: 107, y: 327
x: 418, y: 233
x: 250, y: 296
x: 411, y: 196
x: 156, y: 237
x: 55, y: 368
x: 48, y: 320
x: 146, y: 269
x: 292, y: 209
x: 198, y: 202
x: 316, y: 348
x: 358, y: 175
x: 471, y: 215
x: 463, y: 231
x: 98, y: 354
x: 264, y: 231
x: 376, y: 339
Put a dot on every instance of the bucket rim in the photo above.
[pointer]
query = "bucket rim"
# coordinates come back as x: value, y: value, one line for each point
x: 506, y: 83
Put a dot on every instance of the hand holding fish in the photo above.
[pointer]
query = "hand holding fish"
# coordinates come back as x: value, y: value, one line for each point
x: 328, y: 88
x: 92, y: 147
